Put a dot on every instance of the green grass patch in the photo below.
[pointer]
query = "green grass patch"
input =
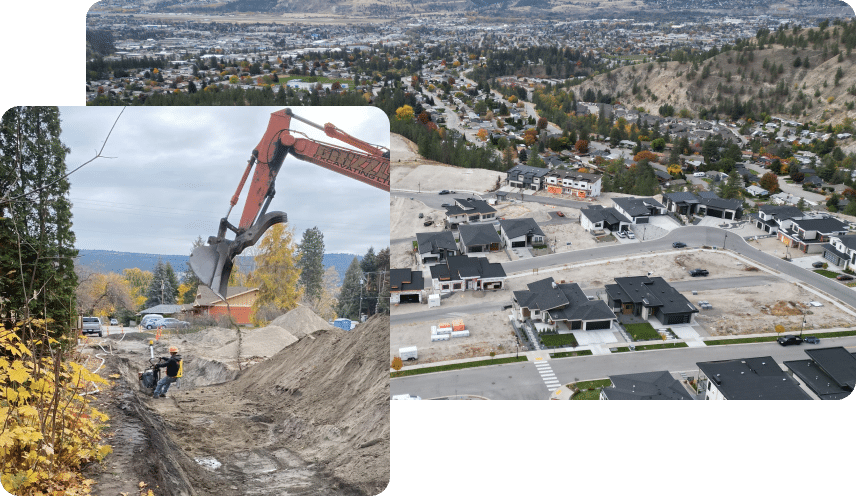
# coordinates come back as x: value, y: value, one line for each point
x: 558, y: 340
x: 827, y: 273
x: 837, y: 334
x: 663, y: 346
x: 566, y: 354
x: 588, y: 394
x: 642, y: 332
x: 600, y: 383
x: 762, y: 339
x: 456, y: 366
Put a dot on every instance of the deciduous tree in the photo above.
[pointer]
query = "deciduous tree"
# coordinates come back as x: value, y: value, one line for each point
x: 770, y: 182
x: 277, y: 275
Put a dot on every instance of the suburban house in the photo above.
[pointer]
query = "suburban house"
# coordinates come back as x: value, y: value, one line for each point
x: 757, y: 191
x: 682, y: 202
x: 240, y: 301
x: 758, y: 378
x: 658, y: 385
x: 469, y: 210
x: 809, y: 235
x: 461, y: 273
x: 526, y: 177
x: 479, y: 238
x: 405, y: 286
x: 829, y: 372
x: 596, y: 217
x: 645, y: 296
x: 713, y: 206
x: 521, y: 233
x: 575, y: 183
x: 841, y: 250
x: 638, y: 210
x: 436, y: 246
x: 770, y: 216
x: 551, y: 306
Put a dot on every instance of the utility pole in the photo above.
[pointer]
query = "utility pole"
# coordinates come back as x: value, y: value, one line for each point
x: 360, y: 313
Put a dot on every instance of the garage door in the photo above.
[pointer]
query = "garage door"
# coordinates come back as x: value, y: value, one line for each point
x: 411, y: 298
x: 598, y: 324
x: 518, y: 244
x: 475, y: 249
x: 678, y: 319
x: 642, y: 220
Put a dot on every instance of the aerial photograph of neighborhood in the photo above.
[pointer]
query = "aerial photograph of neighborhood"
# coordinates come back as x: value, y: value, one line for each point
x: 592, y: 205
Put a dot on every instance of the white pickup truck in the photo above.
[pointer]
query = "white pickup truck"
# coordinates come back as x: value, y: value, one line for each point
x: 91, y: 325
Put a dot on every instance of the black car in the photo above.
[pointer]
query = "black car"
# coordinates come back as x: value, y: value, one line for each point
x: 678, y: 244
x: 446, y: 205
x: 790, y: 339
x: 445, y: 192
x: 844, y: 277
x: 817, y: 265
x: 427, y: 223
x: 698, y: 272
x: 811, y: 340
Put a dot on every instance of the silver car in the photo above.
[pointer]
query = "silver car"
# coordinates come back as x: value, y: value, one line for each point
x: 170, y: 324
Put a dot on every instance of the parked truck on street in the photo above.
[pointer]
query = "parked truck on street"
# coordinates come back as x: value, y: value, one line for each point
x: 91, y: 325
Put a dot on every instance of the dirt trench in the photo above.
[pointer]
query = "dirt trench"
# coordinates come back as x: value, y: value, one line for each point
x: 284, y: 426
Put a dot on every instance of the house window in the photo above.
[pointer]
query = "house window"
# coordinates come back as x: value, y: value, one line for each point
x: 456, y: 285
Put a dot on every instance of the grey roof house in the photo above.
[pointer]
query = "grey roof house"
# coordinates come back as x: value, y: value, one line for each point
x: 436, y: 246
x: 596, y: 217
x: 829, y: 372
x: 758, y: 378
x: 639, y: 210
x: 645, y: 297
x: 658, y: 385
x: 405, y: 286
x: 521, y: 233
x: 460, y: 273
x: 560, y: 307
x: 479, y: 238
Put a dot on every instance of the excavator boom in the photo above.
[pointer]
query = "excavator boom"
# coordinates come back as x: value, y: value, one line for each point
x: 212, y: 263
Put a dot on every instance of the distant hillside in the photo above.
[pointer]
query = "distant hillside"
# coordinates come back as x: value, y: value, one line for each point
x: 806, y: 75
x: 104, y: 261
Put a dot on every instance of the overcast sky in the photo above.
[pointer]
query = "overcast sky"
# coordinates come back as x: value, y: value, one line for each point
x: 176, y: 168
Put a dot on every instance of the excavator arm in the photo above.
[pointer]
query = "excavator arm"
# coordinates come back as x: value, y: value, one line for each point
x: 213, y: 262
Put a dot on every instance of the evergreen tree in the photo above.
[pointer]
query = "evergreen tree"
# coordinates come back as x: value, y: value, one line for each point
x: 311, y: 263
x: 349, y: 295
x: 383, y: 294
x: 37, y: 278
x: 163, y: 290
x: 370, y: 292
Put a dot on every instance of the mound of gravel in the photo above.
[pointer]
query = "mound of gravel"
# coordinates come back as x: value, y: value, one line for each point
x: 300, y: 322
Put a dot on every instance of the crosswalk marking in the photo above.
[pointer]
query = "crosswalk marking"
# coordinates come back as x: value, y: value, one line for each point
x: 548, y: 376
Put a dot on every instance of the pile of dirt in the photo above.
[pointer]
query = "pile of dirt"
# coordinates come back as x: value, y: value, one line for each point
x: 330, y: 391
x: 300, y: 322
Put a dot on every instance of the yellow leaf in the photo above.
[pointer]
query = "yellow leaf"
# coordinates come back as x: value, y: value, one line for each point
x: 28, y: 411
x: 6, y: 439
x: 114, y: 376
x: 18, y: 373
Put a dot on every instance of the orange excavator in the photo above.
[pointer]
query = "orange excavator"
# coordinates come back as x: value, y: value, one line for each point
x: 213, y: 262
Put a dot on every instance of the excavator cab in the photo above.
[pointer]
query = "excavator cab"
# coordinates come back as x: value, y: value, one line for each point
x: 213, y: 263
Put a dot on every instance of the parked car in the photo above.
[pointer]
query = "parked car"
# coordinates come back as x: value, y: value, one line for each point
x: 446, y: 205
x: 91, y: 325
x: 698, y: 174
x: 789, y: 339
x: 811, y: 340
x: 631, y: 235
x: 699, y: 272
x: 817, y: 265
x: 620, y: 234
x: 815, y: 303
x: 678, y: 244
x: 114, y: 322
x: 444, y: 192
x: 427, y: 223
x: 844, y: 277
x: 421, y: 215
x: 560, y: 214
x: 149, y: 318
x: 172, y: 324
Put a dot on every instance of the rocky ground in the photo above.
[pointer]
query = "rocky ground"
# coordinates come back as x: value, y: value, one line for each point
x: 302, y: 410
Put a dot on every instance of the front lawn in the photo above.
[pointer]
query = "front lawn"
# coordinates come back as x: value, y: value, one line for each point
x: 559, y: 340
x: 588, y: 394
x: 456, y: 366
x: 827, y: 273
x: 566, y: 354
x: 652, y: 347
x: 642, y: 332
x: 600, y: 383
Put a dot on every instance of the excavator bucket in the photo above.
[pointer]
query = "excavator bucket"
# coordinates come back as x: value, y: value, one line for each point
x: 213, y: 262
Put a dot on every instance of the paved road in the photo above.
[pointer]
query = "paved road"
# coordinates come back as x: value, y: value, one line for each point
x: 446, y: 311
x: 705, y: 283
x: 693, y: 236
x: 521, y: 380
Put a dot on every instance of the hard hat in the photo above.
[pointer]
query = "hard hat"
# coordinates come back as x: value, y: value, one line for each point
x: 173, y: 349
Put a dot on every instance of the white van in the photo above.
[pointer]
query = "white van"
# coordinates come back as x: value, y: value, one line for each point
x: 150, y: 318
x: 699, y: 174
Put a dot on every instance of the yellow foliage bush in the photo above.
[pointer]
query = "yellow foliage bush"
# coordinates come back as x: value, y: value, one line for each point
x: 49, y: 427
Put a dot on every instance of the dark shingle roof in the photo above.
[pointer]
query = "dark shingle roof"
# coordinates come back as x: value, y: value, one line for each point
x: 470, y: 206
x: 564, y: 301
x: 478, y: 234
x: 680, y: 197
x: 434, y: 242
x: 597, y: 213
x: 781, y: 212
x: 822, y: 225
x: 519, y: 227
x: 817, y: 380
x: 837, y: 362
x: 461, y: 266
x: 651, y: 292
x: 636, y: 207
x: 758, y: 378
x: 658, y: 385
x: 405, y: 280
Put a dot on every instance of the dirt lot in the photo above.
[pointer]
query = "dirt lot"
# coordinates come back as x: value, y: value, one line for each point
x: 409, y: 171
x: 307, y: 414
x: 405, y: 221
x: 488, y: 332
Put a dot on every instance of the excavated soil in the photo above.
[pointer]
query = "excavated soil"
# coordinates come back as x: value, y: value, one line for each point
x: 312, y: 418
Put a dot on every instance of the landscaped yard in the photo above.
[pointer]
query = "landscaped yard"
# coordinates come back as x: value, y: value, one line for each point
x: 652, y: 347
x: 827, y: 273
x: 590, y: 390
x: 642, y: 332
x: 558, y: 340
